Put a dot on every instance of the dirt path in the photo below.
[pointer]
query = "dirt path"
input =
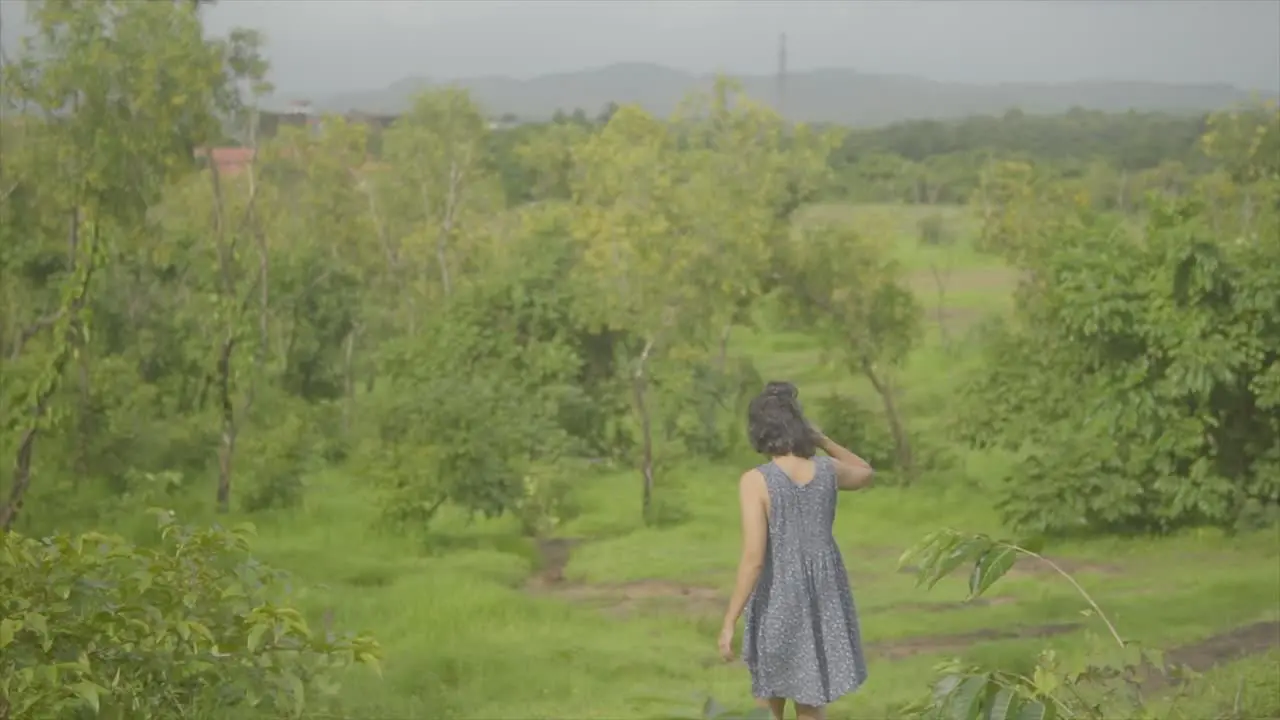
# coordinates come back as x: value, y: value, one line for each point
x: 1235, y: 644
x: 623, y: 599
x: 618, y: 598
x: 1221, y: 649
x: 924, y: 644
x: 554, y: 554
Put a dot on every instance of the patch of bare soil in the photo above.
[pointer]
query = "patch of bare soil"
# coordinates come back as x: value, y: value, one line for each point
x: 1221, y: 649
x: 623, y: 599
x: 923, y: 644
x: 554, y: 554
x: 617, y: 598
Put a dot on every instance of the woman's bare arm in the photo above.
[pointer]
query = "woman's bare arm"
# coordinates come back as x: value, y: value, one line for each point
x: 752, y: 494
x: 852, y: 472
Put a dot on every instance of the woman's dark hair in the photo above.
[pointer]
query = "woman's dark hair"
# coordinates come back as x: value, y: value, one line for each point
x: 776, y: 424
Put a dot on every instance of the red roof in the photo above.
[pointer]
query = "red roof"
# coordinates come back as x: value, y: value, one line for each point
x: 230, y: 160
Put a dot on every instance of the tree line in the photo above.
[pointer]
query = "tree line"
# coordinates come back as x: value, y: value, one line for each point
x: 937, y: 161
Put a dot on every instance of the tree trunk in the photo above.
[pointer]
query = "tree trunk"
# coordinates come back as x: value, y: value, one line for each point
x: 226, y: 453
x: 84, y: 424
x: 21, y: 473
x: 76, y: 337
x: 226, y: 246
x: 348, y: 379
x: 901, y: 442
x: 640, y: 391
x: 26, y: 446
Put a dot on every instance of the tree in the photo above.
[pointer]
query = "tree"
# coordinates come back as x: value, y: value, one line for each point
x: 846, y: 289
x: 476, y: 400
x: 191, y: 626
x: 1137, y: 376
x: 107, y: 125
x: 625, y: 190
x: 438, y: 150
x: 677, y: 222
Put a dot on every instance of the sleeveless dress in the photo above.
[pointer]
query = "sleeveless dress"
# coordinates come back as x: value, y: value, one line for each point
x: 801, y: 638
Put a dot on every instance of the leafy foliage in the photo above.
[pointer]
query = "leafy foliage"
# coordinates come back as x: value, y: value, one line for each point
x: 1137, y: 375
x: 1118, y: 157
x: 846, y: 289
x: 1115, y: 672
x: 93, y: 626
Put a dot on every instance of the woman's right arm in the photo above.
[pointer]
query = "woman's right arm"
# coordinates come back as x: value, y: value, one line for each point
x: 852, y: 472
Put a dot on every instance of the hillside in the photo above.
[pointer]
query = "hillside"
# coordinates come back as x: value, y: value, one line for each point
x: 839, y: 96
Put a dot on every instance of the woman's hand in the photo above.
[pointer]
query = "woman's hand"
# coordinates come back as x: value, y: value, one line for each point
x: 726, y: 643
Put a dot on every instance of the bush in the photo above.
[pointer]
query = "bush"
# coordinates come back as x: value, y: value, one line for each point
x: 548, y: 500
x: 1108, y: 683
x: 91, y: 625
x: 702, y: 404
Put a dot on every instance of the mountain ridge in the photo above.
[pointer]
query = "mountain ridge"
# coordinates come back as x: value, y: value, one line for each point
x: 826, y: 95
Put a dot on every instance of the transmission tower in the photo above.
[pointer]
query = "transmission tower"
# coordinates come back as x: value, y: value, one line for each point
x: 782, y: 75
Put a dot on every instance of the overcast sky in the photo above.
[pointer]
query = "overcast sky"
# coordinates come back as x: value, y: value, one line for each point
x: 326, y: 45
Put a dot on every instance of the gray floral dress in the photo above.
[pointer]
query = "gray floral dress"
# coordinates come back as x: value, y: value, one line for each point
x: 801, y: 638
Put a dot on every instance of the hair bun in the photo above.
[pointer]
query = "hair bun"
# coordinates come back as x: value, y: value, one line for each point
x: 781, y: 390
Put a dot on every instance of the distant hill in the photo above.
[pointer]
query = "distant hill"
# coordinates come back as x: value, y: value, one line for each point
x: 837, y: 96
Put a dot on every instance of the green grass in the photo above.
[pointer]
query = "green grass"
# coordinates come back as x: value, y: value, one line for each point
x: 466, y: 639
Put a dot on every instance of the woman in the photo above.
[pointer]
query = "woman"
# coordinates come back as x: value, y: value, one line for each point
x: 800, y: 638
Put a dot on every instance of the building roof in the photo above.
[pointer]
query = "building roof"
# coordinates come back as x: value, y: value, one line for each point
x: 229, y: 160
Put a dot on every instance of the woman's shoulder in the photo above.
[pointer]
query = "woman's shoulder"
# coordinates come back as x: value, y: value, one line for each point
x: 754, y: 481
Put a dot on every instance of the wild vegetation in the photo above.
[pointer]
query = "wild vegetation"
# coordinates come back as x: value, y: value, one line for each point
x: 479, y: 395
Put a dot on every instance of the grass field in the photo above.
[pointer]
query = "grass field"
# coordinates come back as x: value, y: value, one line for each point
x: 615, y: 620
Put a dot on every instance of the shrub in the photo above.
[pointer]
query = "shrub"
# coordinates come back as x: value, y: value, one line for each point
x: 1106, y: 684
x: 548, y: 500
x: 194, y: 628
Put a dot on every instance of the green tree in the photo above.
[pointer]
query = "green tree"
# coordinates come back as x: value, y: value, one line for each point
x: 1137, y: 376
x: 90, y: 624
x: 115, y: 96
x: 439, y: 152
x: 842, y: 286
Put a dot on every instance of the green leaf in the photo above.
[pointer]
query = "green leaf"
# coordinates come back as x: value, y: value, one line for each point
x: 992, y: 566
x: 89, y: 692
x: 8, y: 629
x: 1033, y: 710
x: 298, y: 692
x: 255, y: 636
x: 966, y: 550
x: 944, y: 687
x: 371, y: 660
x: 963, y: 703
x: 1001, y: 705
